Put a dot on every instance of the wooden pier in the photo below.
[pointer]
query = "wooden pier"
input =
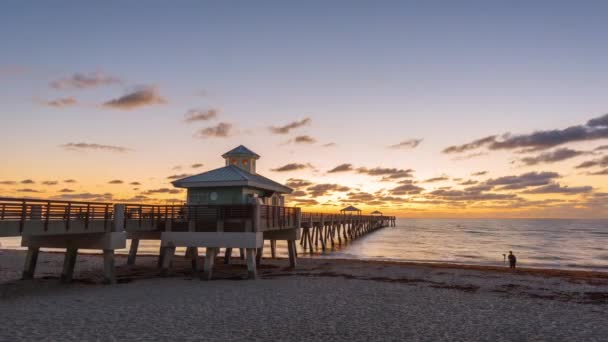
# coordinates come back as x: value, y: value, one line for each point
x: 106, y: 226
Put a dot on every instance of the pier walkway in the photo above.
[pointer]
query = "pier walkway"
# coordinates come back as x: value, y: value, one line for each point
x: 107, y: 226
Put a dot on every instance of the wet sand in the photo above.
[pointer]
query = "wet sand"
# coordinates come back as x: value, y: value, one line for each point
x: 322, y: 299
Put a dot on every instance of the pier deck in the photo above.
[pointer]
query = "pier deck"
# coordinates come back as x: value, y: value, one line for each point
x: 106, y: 226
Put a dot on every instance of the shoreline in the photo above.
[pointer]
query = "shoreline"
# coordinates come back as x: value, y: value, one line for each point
x: 532, y: 271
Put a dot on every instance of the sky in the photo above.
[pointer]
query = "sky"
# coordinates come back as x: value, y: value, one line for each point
x: 415, y: 108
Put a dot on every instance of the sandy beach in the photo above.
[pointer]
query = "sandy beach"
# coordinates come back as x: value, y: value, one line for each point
x: 320, y: 300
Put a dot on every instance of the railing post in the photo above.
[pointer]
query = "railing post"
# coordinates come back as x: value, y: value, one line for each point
x: 23, y: 213
x: 69, y: 214
x: 106, y: 217
x: 86, y: 218
x: 119, y: 218
x: 3, y: 211
x: 140, y: 215
x: 46, y: 216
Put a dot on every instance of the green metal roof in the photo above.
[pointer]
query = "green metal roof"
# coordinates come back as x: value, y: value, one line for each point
x: 230, y: 176
x: 241, y: 150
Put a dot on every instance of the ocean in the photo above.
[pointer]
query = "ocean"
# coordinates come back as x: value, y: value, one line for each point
x: 542, y: 243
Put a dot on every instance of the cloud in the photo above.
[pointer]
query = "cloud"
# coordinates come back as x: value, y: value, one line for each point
x: 388, y: 173
x: 27, y: 181
x: 470, y: 146
x: 143, y: 96
x: 298, y: 193
x: 83, y: 81
x: 601, y: 148
x: 470, y: 156
x: 304, y: 139
x: 69, y: 181
x: 66, y: 190
x: 293, y: 125
x: 479, y: 173
x: 406, y: 189
x: 325, y: 189
x: 81, y: 146
x: 179, y: 176
x: 291, y: 167
x: 194, y: 115
x: 62, y: 102
x: 135, y: 183
x: 162, y: 191
x: 86, y: 196
x: 222, y: 130
x: 556, y: 188
x: 469, y: 195
x: 28, y: 190
x: 469, y: 182
x: 411, y: 143
x: 601, y: 121
x: 437, y: 179
x: 8, y: 182
x: 603, y: 162
x: 603, y: 172
x: 50, y: 183
x: 342, y: 168
x: 196, y: 166
x: 552, y: 156
x: 594, y: 129
x: 115, y: 181
x: 522, y: 181
x: 304, y: 201
x: 331, y: 144
x: 296, y: 183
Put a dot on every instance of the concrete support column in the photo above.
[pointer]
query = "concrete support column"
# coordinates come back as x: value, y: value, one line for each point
x: 251, y: 267
x: 209, y: 261
x: 30, y: 262
x: 109, y: 276
x: 119, y: 218
x: 194, y: 261
x: 167, y: 256
x: 227, y: 256
x: 259, y: 253
x: 133, y: 251
x: 68, y: 264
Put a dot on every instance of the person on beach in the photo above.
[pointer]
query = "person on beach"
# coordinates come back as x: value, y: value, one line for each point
x: 512, y: 260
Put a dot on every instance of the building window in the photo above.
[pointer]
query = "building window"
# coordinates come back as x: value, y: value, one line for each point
x: 233, y: 161
x: 245, y: 162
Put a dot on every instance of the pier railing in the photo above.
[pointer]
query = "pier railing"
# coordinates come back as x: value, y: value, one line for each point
x: 34, y: 216
x: 50, y: 215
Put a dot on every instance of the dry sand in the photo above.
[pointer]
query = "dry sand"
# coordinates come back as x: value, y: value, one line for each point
x: 320, y: 300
